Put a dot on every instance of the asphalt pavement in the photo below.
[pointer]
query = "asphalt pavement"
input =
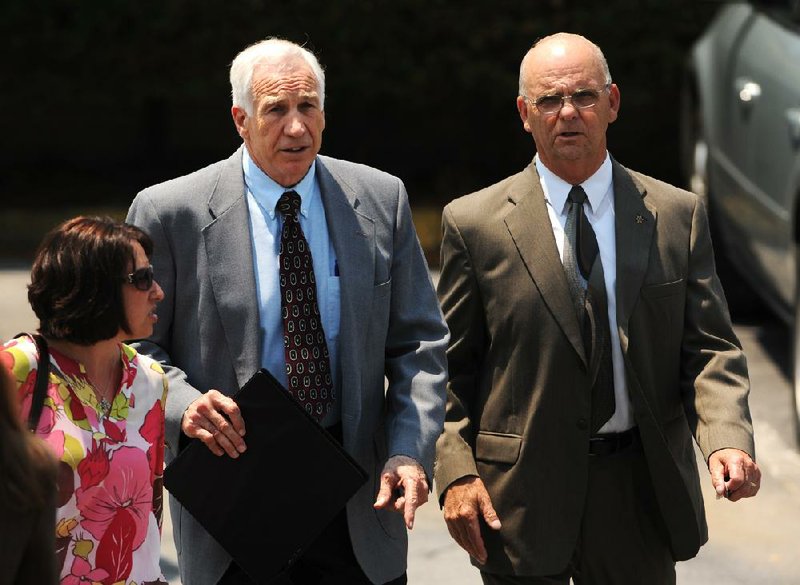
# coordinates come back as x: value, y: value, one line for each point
x: 752, y: 542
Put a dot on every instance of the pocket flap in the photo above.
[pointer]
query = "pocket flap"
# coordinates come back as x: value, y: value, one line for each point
x: 664, y: 289
x: 497, y: 447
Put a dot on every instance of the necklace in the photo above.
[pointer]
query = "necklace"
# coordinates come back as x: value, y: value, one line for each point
x: 103, y: 377
x: 105, y: 408
x: 104, y: 404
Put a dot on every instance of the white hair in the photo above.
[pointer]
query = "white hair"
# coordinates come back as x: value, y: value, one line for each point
x: 271, y: 49
x: 601, y: 59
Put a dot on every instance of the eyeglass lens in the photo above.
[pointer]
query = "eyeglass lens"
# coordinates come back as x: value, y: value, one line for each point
x: 550, y: 104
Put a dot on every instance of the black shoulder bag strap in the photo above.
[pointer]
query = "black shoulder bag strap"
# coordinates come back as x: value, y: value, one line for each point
x: 42, y: 376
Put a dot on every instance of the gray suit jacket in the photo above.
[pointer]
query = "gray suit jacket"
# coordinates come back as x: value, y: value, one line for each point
x: 391, y: 325
x: 519, y: 388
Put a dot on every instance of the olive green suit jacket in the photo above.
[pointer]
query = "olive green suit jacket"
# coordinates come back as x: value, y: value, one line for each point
x: 519, y: 387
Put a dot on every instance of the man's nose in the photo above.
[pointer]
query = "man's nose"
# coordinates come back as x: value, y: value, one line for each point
x: 568, y: 109
x: 295, y: 126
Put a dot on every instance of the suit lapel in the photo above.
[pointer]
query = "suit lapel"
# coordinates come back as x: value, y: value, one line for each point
x: 230, y: 268
x: 635, y: 222
x: 530, y: 228
x: 353, y: 236
x: 635, y: 229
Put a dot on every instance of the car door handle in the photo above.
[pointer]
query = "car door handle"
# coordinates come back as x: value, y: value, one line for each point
x: 747, y: 90
x: 793, y: 121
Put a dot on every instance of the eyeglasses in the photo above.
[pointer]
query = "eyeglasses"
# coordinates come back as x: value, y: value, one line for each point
x: 142, y: 279
x: 580, y: 100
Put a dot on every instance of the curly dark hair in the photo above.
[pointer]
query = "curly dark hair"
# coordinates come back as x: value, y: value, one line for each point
x: 77, y: 278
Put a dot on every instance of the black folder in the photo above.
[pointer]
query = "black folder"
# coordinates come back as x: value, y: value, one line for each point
x: 266, y: 507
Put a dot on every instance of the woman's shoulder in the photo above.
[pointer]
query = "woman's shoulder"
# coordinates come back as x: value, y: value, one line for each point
x: 20, y: 356
x: 142, y: 361
x: 144, y: 368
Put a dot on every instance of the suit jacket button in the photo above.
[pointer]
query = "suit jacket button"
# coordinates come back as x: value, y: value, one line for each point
x: 582, y: 424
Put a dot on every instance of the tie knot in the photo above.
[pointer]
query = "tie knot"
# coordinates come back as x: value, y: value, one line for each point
x: 289, y: 204
x: 577, y: 194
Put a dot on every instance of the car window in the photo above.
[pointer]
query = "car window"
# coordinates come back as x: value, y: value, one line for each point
x: 773, y: 4
x: 787, y: 12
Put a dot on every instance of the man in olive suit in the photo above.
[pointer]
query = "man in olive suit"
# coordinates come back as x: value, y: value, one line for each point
x: 590, y: 342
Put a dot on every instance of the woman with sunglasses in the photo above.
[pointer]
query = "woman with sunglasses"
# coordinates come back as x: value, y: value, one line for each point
x: 92, y: 288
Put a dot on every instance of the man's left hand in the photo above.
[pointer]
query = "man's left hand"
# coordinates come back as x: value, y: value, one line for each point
x: 734, y: 474
x: 404, y: 487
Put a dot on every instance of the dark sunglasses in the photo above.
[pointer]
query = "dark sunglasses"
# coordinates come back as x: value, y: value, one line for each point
x: 142, y: 279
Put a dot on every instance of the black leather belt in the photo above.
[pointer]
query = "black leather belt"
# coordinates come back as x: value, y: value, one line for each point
x: 612, y: 442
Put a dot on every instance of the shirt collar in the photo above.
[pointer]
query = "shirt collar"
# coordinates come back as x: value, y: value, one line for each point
x: 556, y: 189
x: 267, y: 192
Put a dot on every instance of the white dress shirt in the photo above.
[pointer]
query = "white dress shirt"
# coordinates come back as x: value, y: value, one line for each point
x: 265, y: 229
x: 599, y: 189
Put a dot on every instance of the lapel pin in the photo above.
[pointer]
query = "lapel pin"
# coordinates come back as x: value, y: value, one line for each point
x: 640, y: 219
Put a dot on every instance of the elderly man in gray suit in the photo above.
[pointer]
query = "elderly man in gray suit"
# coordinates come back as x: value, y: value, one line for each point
x: 220, y: 237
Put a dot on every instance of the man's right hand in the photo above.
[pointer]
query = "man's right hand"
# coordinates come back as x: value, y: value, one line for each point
x: 466, y: 501
x: 215, y: 419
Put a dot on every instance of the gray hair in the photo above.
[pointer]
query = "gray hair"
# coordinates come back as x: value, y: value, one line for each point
x: 601, y: 59
x: 269, y: 49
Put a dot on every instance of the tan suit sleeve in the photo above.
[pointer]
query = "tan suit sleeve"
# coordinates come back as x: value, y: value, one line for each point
x: 461, y: 303
x: 714, y: 378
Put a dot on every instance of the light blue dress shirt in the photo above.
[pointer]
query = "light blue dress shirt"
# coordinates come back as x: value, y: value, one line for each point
x: 265, y: 229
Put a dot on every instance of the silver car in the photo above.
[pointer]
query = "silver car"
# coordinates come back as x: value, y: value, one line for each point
x: 741, y: 150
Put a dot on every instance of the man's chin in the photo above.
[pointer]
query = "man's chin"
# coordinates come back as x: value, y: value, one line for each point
x: 570, y: 153
x: 292, y: 172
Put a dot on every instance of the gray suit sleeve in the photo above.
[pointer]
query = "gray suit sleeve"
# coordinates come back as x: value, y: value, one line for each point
x: 144, y: 215
x: 415, y: 348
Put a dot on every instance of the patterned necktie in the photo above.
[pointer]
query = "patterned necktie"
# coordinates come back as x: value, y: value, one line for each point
x: 307, y: 364
x: 584, y: 272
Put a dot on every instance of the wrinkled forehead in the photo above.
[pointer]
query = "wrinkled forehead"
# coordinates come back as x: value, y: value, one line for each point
x: 278, y: 77
x: 557, y: 67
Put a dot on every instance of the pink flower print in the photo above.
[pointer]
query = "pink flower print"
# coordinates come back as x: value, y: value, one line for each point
x: 152, y: 431
x: 75, y: 410
x: 9, y: 344
x: 69, y: 367
x: 127, y: 486
x: 47, y: 417
x: 6, y: 358
x: 25, y: 392
x: 115, y: 549
x: 115, y: 433
x: 47, y: 420
x: 66, y: 483
x: 56, y: 441
x: 81, y: 572
x: 94, y: 467
x: 128, y: 372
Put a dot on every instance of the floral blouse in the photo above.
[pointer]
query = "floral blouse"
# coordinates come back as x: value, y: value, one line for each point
x: 111, y: 462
